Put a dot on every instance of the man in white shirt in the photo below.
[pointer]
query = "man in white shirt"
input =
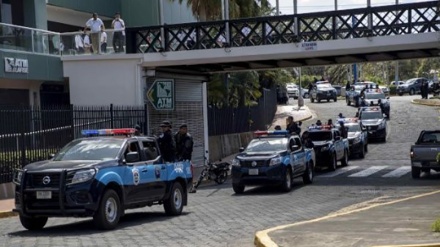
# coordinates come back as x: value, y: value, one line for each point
x: 103, y: 41
x: 96, y: 26
x: 79, y: 43
x: 119, y: 35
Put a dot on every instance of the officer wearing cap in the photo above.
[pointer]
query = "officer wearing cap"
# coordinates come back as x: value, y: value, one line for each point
x: 166, y: 143
x: 184, y: 143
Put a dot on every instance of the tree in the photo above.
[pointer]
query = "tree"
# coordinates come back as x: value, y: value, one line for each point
x: 244, y: 89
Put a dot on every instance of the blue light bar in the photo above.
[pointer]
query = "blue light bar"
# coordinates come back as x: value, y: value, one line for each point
x: 89, y: 132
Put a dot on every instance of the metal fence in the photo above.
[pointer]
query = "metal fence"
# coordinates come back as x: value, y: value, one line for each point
x: 229, y: 120
x: 29, y: 134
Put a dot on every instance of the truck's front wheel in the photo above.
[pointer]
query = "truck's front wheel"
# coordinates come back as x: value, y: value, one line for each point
x: 415, y: 172
x: 33, y: 223
x: 109, y: 211
x: 174, y: 204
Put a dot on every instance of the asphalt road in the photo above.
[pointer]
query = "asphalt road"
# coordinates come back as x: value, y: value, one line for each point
x: 216, y: 216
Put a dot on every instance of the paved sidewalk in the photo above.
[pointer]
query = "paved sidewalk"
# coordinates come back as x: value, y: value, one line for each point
x: 402, y: 222
x: 6, y: 206
x: 284, y: 111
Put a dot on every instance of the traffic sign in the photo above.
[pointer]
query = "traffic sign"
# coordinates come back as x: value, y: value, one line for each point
x: 161, y: 94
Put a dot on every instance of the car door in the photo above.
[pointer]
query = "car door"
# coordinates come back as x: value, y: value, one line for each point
x: 314, y: 92
x: 297, y: 155
x: 137, y: 176
x: 155, y: 169
x: 338, y: 143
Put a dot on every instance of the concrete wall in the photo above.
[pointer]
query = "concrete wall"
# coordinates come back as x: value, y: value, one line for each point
x: 225, y: 145
x: 113, y: 80
x: 32, y: 86
x: 7, y: 191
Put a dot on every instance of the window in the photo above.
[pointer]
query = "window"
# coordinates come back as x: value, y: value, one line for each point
x: 132, y: 147
x: 150, y: 149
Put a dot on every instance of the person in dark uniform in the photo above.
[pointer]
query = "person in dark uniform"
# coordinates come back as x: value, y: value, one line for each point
x: 184, y: 143
x: 305, y: 139
x: 166, y: 143
x: 291, y: 126
x: 137, y: 130
x: 343, y: 130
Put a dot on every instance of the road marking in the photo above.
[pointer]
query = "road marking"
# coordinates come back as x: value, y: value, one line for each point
x: 397, y: 173
x: 338, y: 172
x: 368, y: 172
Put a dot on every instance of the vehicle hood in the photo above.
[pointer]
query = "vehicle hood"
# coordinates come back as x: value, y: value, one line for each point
x: 259, y: 155
x: 352, y: 135
x: 60, y: 165
x: 372, y: 122
x: 326, y: 89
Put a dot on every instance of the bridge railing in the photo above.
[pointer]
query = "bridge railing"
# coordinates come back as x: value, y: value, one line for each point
x: 344, y: 24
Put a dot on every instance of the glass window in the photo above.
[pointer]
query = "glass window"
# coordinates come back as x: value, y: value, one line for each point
x: 267, y: 145
x: 91, y: 149
x: 320, y: 136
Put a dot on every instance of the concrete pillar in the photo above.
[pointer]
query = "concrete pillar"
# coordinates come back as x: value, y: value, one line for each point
x: 35, y: 13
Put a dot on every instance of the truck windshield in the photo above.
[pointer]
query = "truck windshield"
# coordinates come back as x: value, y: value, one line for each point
x: 320, y: 136
x: 90, y: 149
x: 267, y: 145
x: 374, y: 96
x: 353, y: 127
x: 430, y: 137
x: 371, y: 115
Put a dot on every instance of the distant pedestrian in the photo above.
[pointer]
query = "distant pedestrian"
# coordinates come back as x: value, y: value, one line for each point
x: 79, y: 43
x: 103, y: 41
x: 119, y: 35
x: 166, y: 142
x: 96, y: 26
x: 184, y: 144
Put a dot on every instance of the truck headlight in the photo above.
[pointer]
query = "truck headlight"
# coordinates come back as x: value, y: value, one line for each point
x: 275, y: 161
x: 83, y: 176
x: 235, y: 162
x: 18, y: 176
x: 323, y: 149
x: 382, y: 125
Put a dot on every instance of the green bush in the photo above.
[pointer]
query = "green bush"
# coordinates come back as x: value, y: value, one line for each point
x: 393, y: 90
x: 438, y: 158
x: 435, y: 227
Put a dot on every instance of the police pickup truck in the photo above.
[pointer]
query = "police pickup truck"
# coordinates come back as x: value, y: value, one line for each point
x: 101, y: 176
x: 357, y: 136
x: 330, y: 146
x: 424, y: 153
x: 354, y: 95
x: 376, y: 97
x: 373, y: 120
x: 272, y: 157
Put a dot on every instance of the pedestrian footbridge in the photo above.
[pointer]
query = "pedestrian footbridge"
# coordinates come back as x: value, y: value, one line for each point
x: 403, y: 31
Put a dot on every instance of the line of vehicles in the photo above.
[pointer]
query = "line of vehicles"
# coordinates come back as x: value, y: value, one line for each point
x: 276, y: 157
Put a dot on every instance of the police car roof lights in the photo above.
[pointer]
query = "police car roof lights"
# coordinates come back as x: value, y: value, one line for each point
x: 348, y: 120
x: 370, y: 108
x: 270, y: 133
x: 320, y: 127
x: 104, y: 132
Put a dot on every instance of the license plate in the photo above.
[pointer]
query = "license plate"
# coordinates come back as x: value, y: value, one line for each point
x: 44, y: 194
x: 253, y: 171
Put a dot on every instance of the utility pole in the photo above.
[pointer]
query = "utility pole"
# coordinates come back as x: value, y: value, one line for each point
x: 336, y: 5
x: 277, y: 7
x: 396, y: 64
x: 162, y: 22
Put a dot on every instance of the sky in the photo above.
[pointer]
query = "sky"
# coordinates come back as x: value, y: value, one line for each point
x: 307, y: 6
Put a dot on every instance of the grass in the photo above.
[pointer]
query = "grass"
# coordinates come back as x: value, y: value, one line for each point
x: 435, y: 227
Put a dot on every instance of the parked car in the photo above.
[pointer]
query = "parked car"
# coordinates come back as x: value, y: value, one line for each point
x: 292, y: 90
x: 323, y: 91
x: 101, y: 177
x: 424, y: 153
x: 272, y: 158
x: 411, y: 86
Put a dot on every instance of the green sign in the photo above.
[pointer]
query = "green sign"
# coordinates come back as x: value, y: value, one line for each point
x: 161, y: 94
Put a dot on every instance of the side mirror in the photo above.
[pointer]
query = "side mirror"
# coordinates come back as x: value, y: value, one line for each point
x: 241, y: 149
x: 132, y: 157
x: 51, y: 156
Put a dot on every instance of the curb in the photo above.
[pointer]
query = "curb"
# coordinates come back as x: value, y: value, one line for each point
x: 262, y: 238
x: 6, y: 214
x: 422, y: 103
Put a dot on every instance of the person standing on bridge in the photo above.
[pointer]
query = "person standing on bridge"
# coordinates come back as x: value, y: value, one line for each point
x: 119, y: 35
x: 96, y: 26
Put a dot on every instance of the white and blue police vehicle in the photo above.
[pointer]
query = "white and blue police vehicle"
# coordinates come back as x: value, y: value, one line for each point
x: 372, y: 118
x: 100, y: 176
x: 376, y: 97
x: 330, y: 147
x: 357, y: 136
x: 272, y: 158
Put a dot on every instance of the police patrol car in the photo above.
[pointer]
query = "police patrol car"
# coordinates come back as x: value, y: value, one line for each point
x: 330, y: 147
x: 357, y: 136
x: 376, y: 97
x: 272, y: 157
x: 100, y: 176
x: 373, y: 120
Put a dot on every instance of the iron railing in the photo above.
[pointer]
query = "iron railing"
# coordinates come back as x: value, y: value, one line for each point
x: 229, y: 120
x: 344, y: 24
x: 29, y: 134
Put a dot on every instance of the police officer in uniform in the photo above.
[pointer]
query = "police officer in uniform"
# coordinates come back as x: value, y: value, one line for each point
x: 166, y: 143
x: 184, y: 143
